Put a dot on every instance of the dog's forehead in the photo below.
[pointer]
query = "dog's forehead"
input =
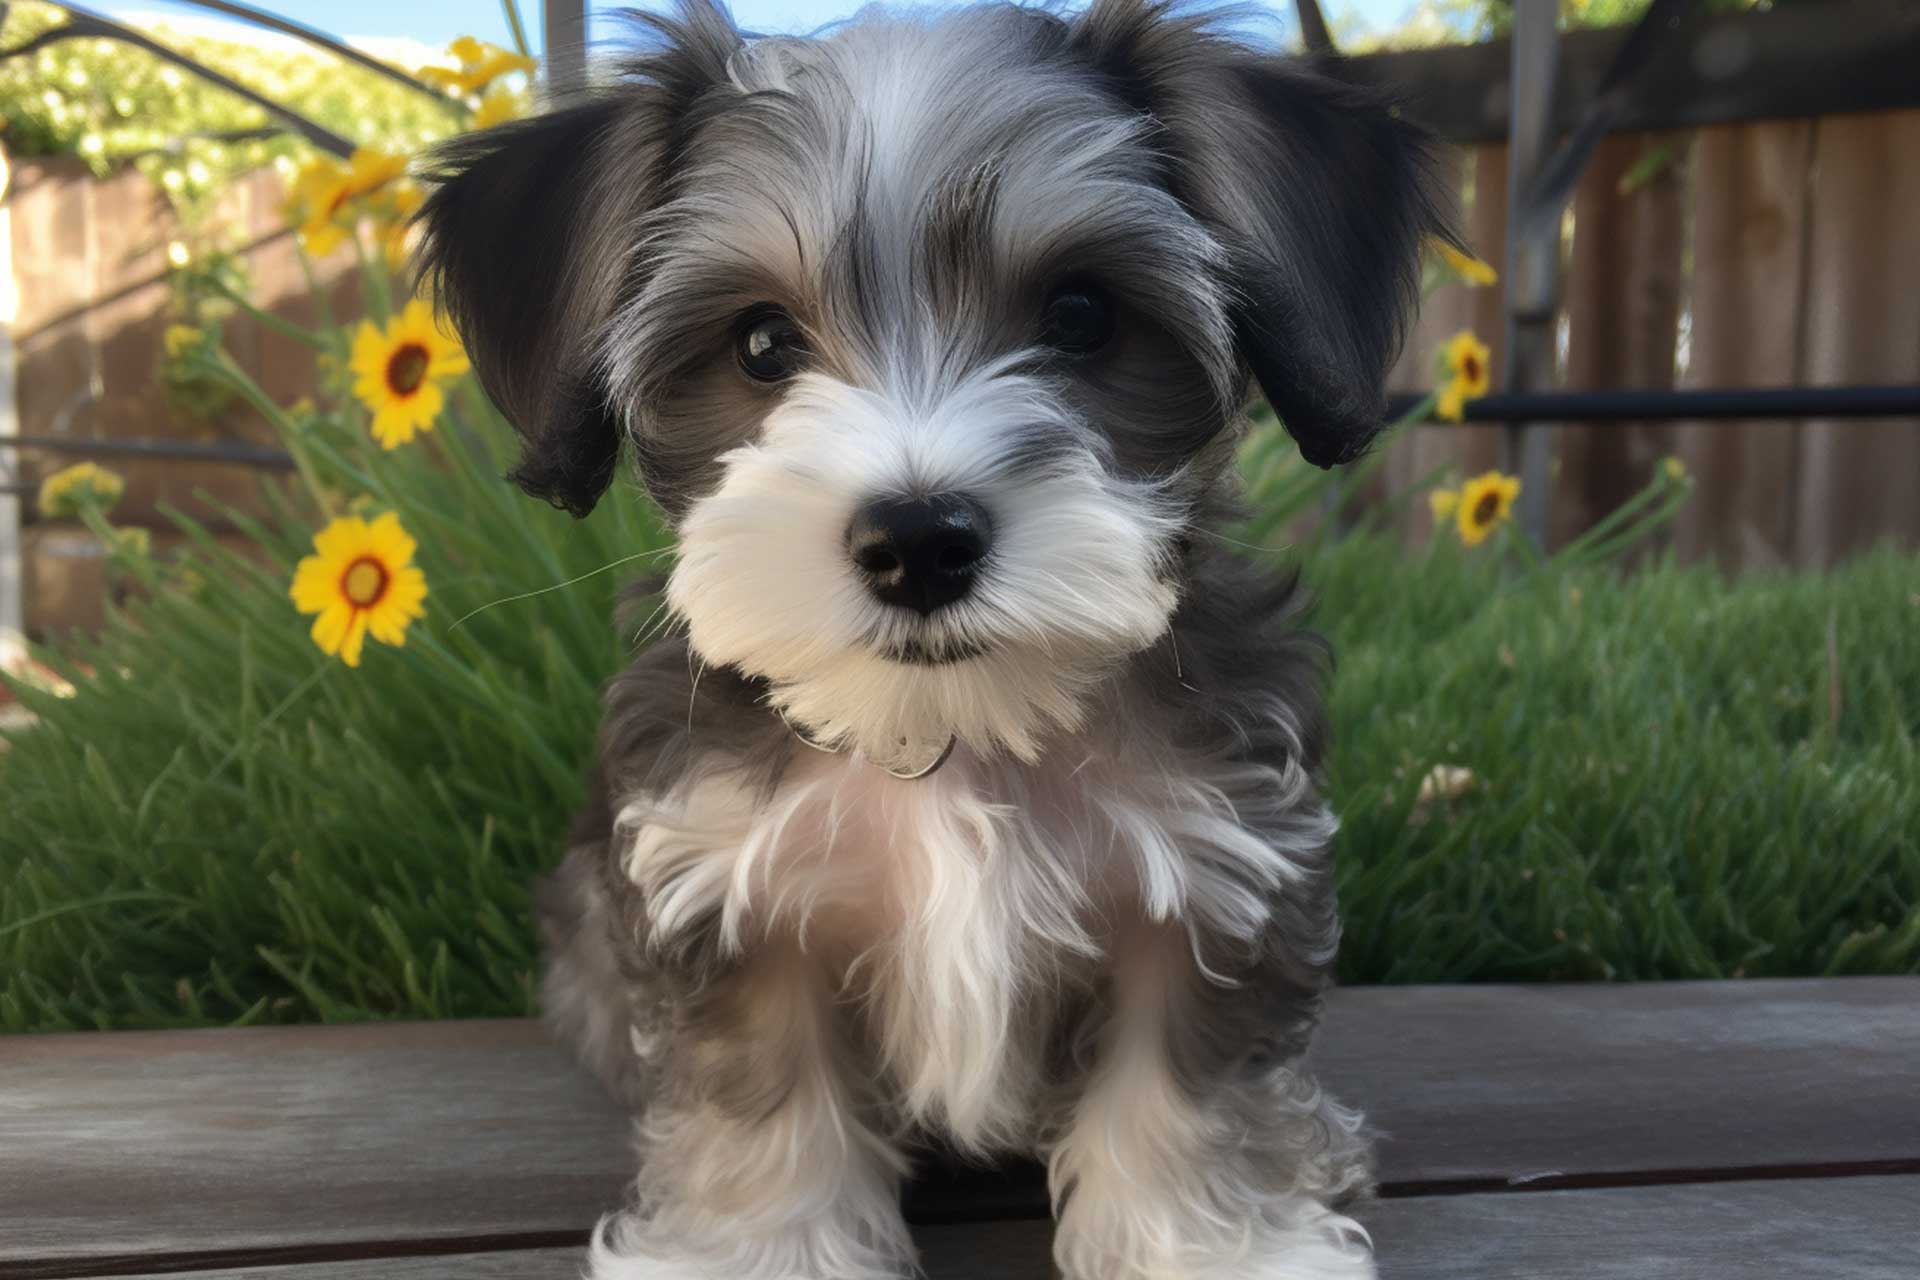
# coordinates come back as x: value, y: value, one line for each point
x: 972, y: 124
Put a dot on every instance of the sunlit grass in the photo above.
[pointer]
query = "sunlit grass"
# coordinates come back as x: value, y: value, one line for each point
x: 1673, y: 775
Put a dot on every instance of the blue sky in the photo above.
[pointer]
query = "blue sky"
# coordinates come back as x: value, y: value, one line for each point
x: 435, y: 22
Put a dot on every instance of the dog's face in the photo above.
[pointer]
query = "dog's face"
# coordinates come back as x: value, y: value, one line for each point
x: 932, y: 336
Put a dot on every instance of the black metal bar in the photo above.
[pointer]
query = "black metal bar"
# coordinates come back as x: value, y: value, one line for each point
x: 240, y: 455
x: 85, y: 23
x: 321, y: 40
x: 1654, y: 39
x: 1532, y: 295
x: 1313, y: 27
x: 1715, y: 405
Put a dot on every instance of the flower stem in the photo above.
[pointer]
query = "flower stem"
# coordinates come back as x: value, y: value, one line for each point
x: 512, y: 11
x: 289, y: 434
x: 276, y: 323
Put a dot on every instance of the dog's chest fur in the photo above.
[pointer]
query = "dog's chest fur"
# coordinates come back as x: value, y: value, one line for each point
x: 956, y: 913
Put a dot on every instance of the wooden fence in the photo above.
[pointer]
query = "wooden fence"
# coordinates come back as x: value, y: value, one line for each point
x: 1771, y: 253
x: 90, y: 278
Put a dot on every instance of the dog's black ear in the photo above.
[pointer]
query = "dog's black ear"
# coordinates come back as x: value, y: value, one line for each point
x: 505, y: 232
x: 1321, y: 193
x: 525, y: 252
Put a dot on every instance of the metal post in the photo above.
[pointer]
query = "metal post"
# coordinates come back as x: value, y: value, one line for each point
x: 1313, y: 27
x: 1533, y: 252
x: 565, y: 26
x: 13, y: 613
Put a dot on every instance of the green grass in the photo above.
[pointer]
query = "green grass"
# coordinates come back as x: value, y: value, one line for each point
x: 228, y: 827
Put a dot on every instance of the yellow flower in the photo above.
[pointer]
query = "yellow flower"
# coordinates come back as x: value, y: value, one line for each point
x: 360, y: 579
x: 324, y: 191
x: 1443, y: 502
x: 393, y: 211
x: 84, y: 484
x: 1467, y: 362
x: 182, y: 340
x: 316, y: 202
x: 370, y: 169
x: 397, y: 373
x: 1485, y: 501
x: 498, y: 107
x: 1675, y: 469
x: 1469, y: 268
x: 133, y: 542
x: 480, y: 65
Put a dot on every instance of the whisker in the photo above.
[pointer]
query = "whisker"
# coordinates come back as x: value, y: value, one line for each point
x: 541, y: 591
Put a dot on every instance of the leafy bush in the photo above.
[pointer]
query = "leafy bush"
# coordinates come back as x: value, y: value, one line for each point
x: 112, y: 104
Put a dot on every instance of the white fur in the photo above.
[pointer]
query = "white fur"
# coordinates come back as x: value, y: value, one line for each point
x: 1144, y: 1183
x: 1074, y: 580
x: 945, y: 903
x: 807, y: 1192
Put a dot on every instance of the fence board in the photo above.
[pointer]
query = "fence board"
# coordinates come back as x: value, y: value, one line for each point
x: 1483, y: 225
x: 1750, y: 186
x: 1859, y: 482
x: 1624, y: 277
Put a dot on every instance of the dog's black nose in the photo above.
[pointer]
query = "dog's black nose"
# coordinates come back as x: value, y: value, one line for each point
x: 920, y: 553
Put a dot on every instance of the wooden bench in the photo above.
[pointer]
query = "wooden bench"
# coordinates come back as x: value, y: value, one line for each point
x: 1756, y: 1129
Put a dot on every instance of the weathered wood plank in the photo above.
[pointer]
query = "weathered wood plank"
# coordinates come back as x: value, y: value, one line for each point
x: 453, y: 1131
x: 1534, y: 1080
x: 186, y: 1142
x: 1837, y: 1229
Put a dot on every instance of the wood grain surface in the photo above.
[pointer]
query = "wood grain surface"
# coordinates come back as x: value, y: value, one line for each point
x: 1836, y: 1229
x: 210, y: 1147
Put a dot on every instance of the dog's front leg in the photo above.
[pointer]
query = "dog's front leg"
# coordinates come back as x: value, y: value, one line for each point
x: 759, y: 1162
x: 1195, y: 1151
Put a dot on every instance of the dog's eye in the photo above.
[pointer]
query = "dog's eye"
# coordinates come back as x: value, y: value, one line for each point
x: 770, y: 345
x: 1078, y: 319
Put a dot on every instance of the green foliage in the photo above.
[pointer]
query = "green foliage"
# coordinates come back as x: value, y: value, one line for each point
x: 223, y: 825
x: 226, y: 825
x: 113, y: 104
x: 1672, y: 774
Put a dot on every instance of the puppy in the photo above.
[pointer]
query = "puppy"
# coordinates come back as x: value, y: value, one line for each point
x: 973, y: 798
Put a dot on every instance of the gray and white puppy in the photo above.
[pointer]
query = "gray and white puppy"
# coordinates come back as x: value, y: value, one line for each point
x: 975, y: 797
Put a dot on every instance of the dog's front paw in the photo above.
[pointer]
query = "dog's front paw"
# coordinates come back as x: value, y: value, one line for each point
x: 1319, y: 1246
x: 1309, y: 1243
x: 627, y: 1246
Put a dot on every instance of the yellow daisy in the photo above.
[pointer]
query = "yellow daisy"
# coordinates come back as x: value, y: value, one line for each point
x: 360, y: 579
x: 84, y: 484
x: 1467, y: 362
x: 324, y: 191
x: 1469, y: 268
x: 315, y: 199
x: 393, y: 219
x: 480, y: 65
x: 498, y: 107
x: 1484, y: 502
x: 397, y: 373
